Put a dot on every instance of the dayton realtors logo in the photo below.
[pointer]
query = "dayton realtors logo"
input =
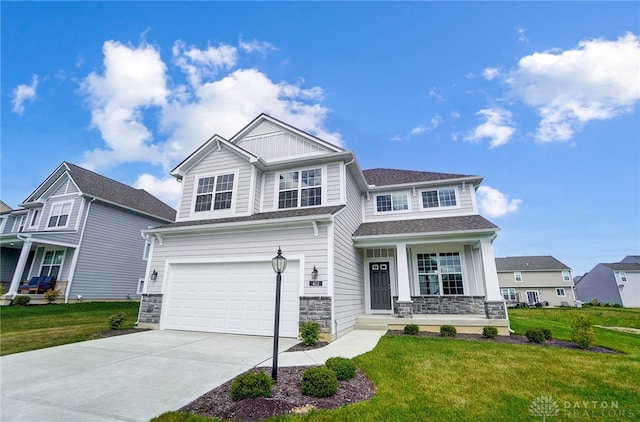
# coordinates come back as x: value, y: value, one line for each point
x: 547, y: 407
x: 544, y: 406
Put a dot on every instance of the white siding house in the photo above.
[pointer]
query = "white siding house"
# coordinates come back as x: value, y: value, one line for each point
x: 396, y: 243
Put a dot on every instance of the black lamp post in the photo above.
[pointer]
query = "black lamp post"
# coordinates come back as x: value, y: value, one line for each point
x: 279, y: 264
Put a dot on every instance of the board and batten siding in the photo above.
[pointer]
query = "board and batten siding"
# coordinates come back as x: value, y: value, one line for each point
x: 110, y: 260
x: 348, y: 264
x: 238, y: 245
x: 218, y: 162
x: 271, y: 143
x: 465, y: 199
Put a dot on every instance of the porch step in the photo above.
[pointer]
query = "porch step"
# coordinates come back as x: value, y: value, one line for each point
x: 471, y: 324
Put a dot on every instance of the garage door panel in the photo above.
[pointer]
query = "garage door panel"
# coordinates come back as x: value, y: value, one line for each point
x: 235, y: 298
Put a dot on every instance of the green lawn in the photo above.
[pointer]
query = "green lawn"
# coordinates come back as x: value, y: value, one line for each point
x: 24, y: 328
x: 447, y: 379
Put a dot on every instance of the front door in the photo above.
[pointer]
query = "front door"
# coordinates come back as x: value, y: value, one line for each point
x: 380, y: 286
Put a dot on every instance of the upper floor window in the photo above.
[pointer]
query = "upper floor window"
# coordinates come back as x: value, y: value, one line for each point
x: 300, y: 189
x: 18, y: 226
x: 392, y: 202
x: 439, y: 198
x: 517, y: 276
x: 214, y: 192
x: 566, y: 276
x: 35, y: 218
x: 623, y: 276
x: 59, y: 216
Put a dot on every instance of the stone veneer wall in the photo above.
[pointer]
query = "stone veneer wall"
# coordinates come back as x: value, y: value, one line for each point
x: 318, y: 309
x: 150, y: 309
x: 495, y: 310
x: 453, y: 305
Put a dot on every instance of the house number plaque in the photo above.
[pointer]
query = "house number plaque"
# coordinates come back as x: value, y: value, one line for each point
x: 315, y: 283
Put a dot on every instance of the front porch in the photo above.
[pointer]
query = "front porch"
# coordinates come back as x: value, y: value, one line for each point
x: 465, y: 324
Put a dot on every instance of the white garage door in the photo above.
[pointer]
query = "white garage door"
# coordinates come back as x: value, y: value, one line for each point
x: 235, y: 298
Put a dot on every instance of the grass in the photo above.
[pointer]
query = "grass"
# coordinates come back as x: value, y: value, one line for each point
x: 442, y: 379
x: 24, y: 328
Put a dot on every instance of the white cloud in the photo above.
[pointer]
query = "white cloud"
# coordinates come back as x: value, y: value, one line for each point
x: 167, y: 189
x: 494, y: 203
x: 255, y: 46
x: 522, y: 34
x: 24, y: 93
x: 497, y: 127
x: 434, y: 94
x: 198, y: 64
x: 598, y: 80
x: 134, y: 79
x: 490, y: 73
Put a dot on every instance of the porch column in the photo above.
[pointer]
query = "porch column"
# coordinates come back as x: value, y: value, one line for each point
x: 404, y: 290
x: 17, y: 275
x: 491, y: 285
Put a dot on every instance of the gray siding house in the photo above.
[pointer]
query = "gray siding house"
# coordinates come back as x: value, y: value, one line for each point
x: 379, y: 246
x: 617, y: 282
x: 82, y: 230
x: 531, y: 280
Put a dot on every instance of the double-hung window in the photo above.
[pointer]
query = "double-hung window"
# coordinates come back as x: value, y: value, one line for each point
x: 440, y: 273
x: 392, y: 202
x: 439, y: 198
x: 300, y: 188
x: 517, y: 276
x: 566, y: 276
x: 214, y: 192
x: 59, y: 216
x: 52, y: 263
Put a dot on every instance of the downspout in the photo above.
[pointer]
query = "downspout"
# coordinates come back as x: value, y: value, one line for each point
x: 74, y: 262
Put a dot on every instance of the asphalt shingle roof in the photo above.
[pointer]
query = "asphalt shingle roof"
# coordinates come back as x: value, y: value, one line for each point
x: 388, y: 177
x: 290, y: 213
x: 94, y: 184
x: 425, y: 225
x: 529, y: 263
x: 623, y: 266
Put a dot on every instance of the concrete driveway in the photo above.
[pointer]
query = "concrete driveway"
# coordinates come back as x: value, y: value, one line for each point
x: 126, y: 378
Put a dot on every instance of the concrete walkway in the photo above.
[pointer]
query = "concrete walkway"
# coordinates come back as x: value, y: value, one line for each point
x: 139, y: 376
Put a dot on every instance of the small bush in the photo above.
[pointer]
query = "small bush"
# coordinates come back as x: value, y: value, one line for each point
x: 547, y: 333
x: 536, y: 335
x: 116, y: 321
x: 411, y: 329
x: 319, y: 382
x: 251, y: 384
x: 21, y: 300
x: 582, y: 333
x: 51, y: 295
x: 310, y: 332
x: 2, y: 290
x: 448, y: 331
x: 344, y: 368
x: 489, y: 332
x: 616, y: 305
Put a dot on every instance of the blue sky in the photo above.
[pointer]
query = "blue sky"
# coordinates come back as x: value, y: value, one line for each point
x: 540, y: 98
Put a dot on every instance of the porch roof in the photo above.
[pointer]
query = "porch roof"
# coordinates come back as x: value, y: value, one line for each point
x: 461, y: 224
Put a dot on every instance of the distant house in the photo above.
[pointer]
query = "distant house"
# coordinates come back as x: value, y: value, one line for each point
x: 617, y: 282
x: 79, y: 232
x: 4, y: 208
x: 535, y: 279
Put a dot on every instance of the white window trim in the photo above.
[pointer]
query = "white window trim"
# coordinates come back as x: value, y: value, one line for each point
x: 564, y: 293
x: 21, y: 220
x: 276, y: 186
x: 526, y: 293
x: 517, y: 274
x: 511, y: 291
x: 62, y: 204
x: 146, y: 251
x: 456, y: 192
x: 375, y: 203
x: 54, y: 250
x: 438, y: 251
x: 140, y: 288
x: 35, y: 215
x: 214, y: 213
x: 566, y: 275
x: 623, y: 277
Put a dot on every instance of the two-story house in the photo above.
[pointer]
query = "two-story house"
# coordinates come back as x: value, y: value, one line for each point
x: 392, y: 243
x: 81, y: 232
x: 616, y: 282
x: 532, y: 280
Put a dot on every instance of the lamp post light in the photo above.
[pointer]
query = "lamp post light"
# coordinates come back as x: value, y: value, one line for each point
x: 279, y: 264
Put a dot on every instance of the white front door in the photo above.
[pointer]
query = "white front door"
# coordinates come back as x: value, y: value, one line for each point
x: 234, y: 298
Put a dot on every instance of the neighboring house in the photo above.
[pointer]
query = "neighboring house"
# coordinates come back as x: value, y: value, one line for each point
x: 82, y: 230
x: 617, y: 282
x: 381, y: 241
x: 4, y: 208
x: 535, y: 279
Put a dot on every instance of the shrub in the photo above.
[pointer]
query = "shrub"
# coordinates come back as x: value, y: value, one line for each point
x: 489, y: 332
x: 21, y: 300
x: 2, y: 290
x: 582, y: 333
x: 536, y: 335
x: 344, y: 368
x: 547, y: 333
x: 51, y: 295
x: 319, y: 382
x: 251, y: 384
x: 411, y: 329
x: 117, y: 320
x: 448, y: 331
x: 616, y: 305
x: 310, y: 332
